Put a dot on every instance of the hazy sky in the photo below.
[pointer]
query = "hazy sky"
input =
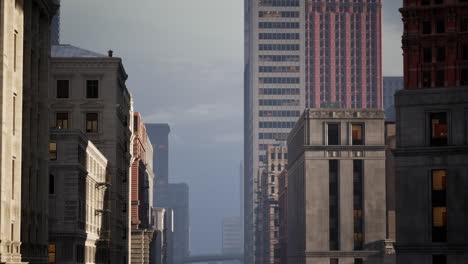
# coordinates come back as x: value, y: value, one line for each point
x: 185, y: 64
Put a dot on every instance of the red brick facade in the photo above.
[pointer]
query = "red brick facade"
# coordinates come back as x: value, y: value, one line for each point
x: 435, y: 43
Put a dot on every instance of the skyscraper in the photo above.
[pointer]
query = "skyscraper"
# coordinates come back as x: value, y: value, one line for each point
x: 159, y: 136
x: 315, y: 54
x: 432, y: 141
x: 391, y: 84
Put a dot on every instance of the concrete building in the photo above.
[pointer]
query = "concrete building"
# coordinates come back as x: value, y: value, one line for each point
x: 11, y: 63
x: 390, y: 86
x: 88, y: 93
x: 159, y: 135
x: 78, y: 182
x: 232, y: 236
x: 35, y: 129
x: 162, y: 244
x: 141, y: 193
x: 432, y: 123
x: 267, y: 215
x: 282, y: 257
x: 390, y: 141
x: 336, y: 187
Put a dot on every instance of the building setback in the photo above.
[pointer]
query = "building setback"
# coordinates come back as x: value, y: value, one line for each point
x: 11, y: 83
x: 390, y: 86
x: 88, y: 93
x: 142, y: 178
x: 78, y: 181
x: 432, y: 141
x: 336, y: 187
x: 159, y: 135
x: 35, y: 129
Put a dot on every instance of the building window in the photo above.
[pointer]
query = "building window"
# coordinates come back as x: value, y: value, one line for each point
x: 51, y: 184
x: 333, y: 134
x: 358, y: 261
x: 52, y: 151
x: 272, y: 156
x: 15, y: 47
x: 439, y: 206
x: 358, y: 134
x: 280, y: 156
x: 427, y: 27
x: 61, y: 121
x: 425, y: 2
x: 14, y: 114
x: 13, y: 179
x: 92, y: 89
x: 333, y: 169
x: 439, y: 129
x: 51, y: 251
x: 279, y: 167
x: 464, y: 24
x: 358, y: 204
x: 91, y: 122
x: 427, y: 55
x: 440, y: 78
x: 440, y: 54
x: 334, y: 261
x: 439, y: 259
x: 63, y: 88
x: 272, y: 167
x: 440, y: 26
x: 465, y: 51
x: 426, y: 79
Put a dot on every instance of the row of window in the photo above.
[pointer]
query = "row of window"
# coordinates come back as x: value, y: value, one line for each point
x: 290, y: 80
x: 278, y: 14
x: 279, y: 102
x: 278, y: 68
x: 264, y: 58
x: 277, y: 124
x: 279, y: 156
x: 278, y: 46
x: 279, y: 2
x: 272, y: 168
x: 91, y: 124
x: 279, y: 91
x: 334, y: 134
x: 437, y: 78
x: 63, y: 89
x: 278, y: 35
x: 271, y: 113
x: 276, y: 136
x: 278, y: 24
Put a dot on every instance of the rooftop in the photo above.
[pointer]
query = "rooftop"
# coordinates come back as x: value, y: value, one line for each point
x: 69, y: 51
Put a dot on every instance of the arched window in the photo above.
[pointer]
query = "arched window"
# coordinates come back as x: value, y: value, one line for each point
x: 272, y: 167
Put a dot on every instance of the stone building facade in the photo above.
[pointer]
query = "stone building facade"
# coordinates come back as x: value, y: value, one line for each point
x: 432, y: 140
x: 35, y: 128
x: 282, y: 257
x: 142, y: 178
x: 336, y: 187
x: 88, y: 93
x: 78, y: 182
x: 11, y: 83
x: 267, y: 215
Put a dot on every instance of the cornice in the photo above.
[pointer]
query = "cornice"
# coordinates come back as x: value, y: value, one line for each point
x: 430, y: 151
x: 337, y: 113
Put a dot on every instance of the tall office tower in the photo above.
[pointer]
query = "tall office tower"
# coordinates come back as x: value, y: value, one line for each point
x: 11, y: 85
x: 390, y: 86
x: 274, y: 94
x: 336, y: 187
x: 432, y: 140
x: 35, y: 130
x: 159, y: 136
x: 343, y: 54
x: 88, y: 93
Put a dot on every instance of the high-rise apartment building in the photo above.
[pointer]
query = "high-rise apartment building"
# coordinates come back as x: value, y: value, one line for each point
x: 432, y: 141
x: 11, y: 85
x: 35, y: 129
x: 391, y: 84
x: 88, y: 93
x: 315, y: 54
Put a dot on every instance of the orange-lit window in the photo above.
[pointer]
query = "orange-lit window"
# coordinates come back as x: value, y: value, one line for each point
x: 439, y: 129
x: 358, y: 134
x: 52, y: 151
x: 439, y: 205
x: 52, y: 253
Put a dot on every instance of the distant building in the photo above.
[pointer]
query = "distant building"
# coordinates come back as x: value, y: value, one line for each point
x: 267, y: 214
x: 35, y: 127
x: 336, y: 187
x: 232, y: 235
x: 55, y: 26
x: 142, y: 178
x: 78, y: 182
x: 159, y: 135
x: 88, y: 93
x: 163, y: 224
x: 432, y: 141
x: 390, y: 86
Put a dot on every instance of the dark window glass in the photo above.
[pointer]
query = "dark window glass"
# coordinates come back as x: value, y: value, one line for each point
x: 272, y: 167
x: 427, y: 27
x: 439, y: 1
x: 464, y: 24
x: 358, y: 261
x: 358, y: 134
x: 427, y: 55
x: 465, y: 51
x: 425, y: 2
x: 358, y: 204
x: 439, y: 206
x: 439, y: 129
x: 440, y: 78
x: 92, y: 89
x: 91, y: 123
x: 334, y: 205
x: 51, y: 184
x: 272, y: 156
x: 464, y: 77
x: 439, y: 259
x: 333, y: 134
x: 426, y: 79
x: 440, y: 26
x: 334, y: 261
x: 52, y: 151
x: 62, y: 88
x: 61, y: 121
x: 440, y: 54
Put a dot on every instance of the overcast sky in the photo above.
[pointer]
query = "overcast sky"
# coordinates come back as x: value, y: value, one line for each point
x: 185, y: 64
